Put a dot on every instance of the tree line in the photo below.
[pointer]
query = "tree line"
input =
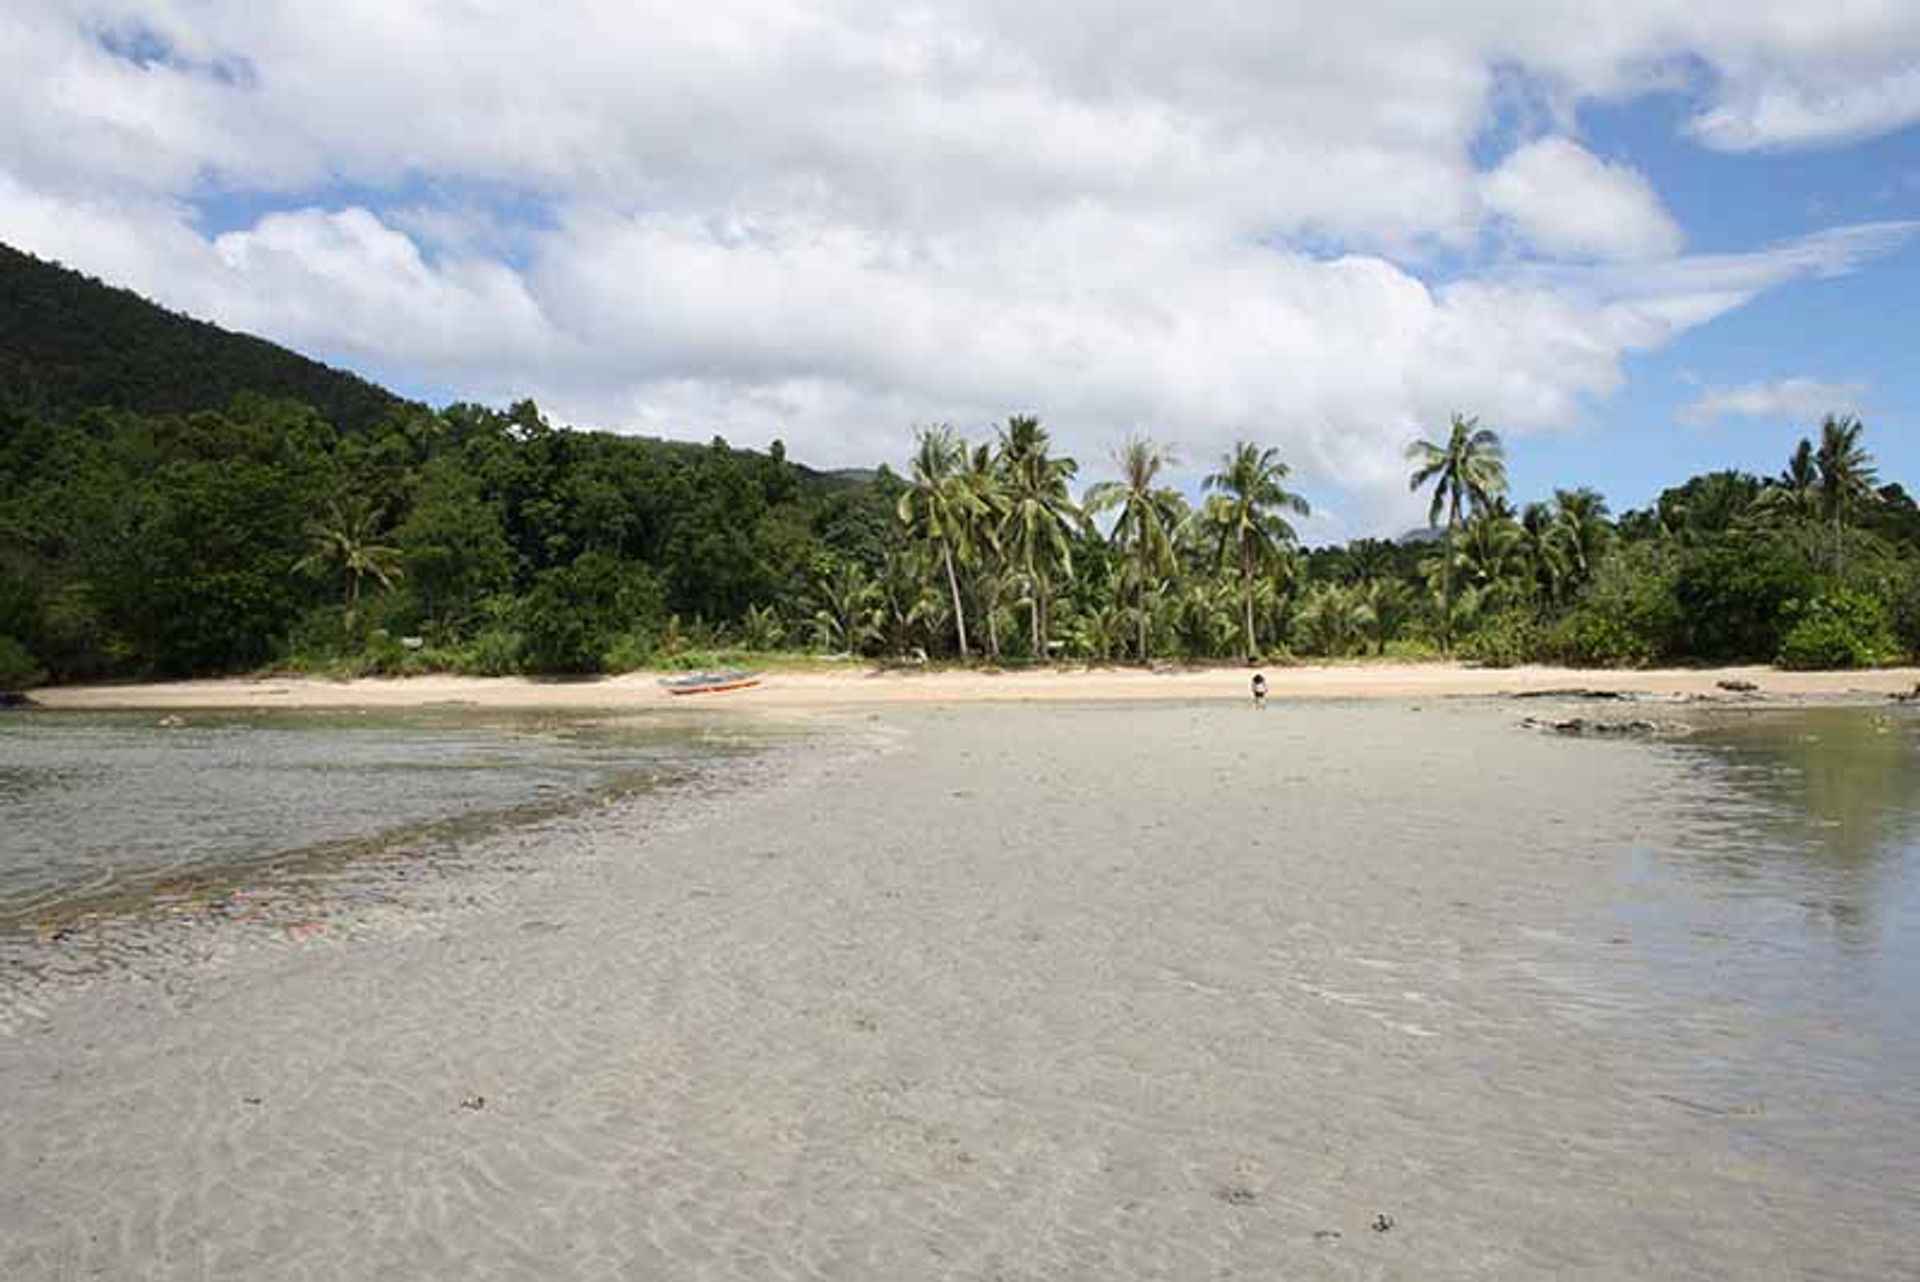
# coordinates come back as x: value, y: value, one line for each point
x: 471, y: 539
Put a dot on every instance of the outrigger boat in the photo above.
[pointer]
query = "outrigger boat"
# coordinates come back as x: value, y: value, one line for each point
x: 710, y: 682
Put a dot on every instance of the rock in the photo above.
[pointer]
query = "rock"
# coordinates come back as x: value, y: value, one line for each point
x: 1382, y: 1223
x: 1738, y: 687
x: 1574, y: 692
x: 14, y: 699
x: 1582, y: 726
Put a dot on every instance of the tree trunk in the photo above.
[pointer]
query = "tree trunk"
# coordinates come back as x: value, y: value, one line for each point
x: 953, y: 586
x: 1446, y: 586
x: 1033, y: 606
x: 1246, y: 600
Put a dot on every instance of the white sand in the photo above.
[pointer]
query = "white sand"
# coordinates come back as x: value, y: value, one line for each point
x: 860, y: 686
x: 1172, y: 992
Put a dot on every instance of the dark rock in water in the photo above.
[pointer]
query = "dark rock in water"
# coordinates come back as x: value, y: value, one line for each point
x: 1908, y: 697
x: 1738, y: 687
x: 14, y: 699
x: 1574, y: 692
x: 1593, y: 729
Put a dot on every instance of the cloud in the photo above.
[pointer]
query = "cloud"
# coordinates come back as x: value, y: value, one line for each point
x: 1566, y: 202
x: 826, y: 221
x: 1801, y: 400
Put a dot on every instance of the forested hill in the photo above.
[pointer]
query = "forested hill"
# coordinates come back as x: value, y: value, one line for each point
x: 69, y: 343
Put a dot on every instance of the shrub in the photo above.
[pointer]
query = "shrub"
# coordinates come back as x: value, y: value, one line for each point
x: 1842, y: 628
x: 1505, y: 640
x: 18, y: 668
x: 493, y: 652
x: 1593, y: 638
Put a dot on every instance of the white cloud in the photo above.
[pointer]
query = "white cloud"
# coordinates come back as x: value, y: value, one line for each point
x: 827, y: 220
x: 1566, y: 202
x: 1800, y: 400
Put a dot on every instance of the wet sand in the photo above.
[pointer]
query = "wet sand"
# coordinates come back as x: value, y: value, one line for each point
x: 1116, y: 992
x: 859, y: 686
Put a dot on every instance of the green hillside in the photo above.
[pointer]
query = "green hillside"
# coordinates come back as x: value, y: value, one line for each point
x: 69, y: 342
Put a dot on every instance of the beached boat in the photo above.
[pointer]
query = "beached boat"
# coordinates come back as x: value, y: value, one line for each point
x: 710, y: 682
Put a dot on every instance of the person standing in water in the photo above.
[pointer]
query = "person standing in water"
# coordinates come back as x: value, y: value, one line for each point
x: 1259, y: 689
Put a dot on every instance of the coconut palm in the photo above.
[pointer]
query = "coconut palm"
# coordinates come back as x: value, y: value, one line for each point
x: 1388, y: 604
x: 1150, y: 517
x: 1796, y: 492
x: 980, y: 477
x: 1466, y: 474
x: 850, y: 610
x: 944, y: 510
x: 1249, y: 496
x: 1040, y: 516
x: 1546, y: 559
x: 346, y: 539
x: 1846, y: 476
x: 1580, y: 532
x: 1334, y: 620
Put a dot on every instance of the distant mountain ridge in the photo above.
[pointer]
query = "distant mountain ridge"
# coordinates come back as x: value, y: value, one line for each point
x: 69, y: 342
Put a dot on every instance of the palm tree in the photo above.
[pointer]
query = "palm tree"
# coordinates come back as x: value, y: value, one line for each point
x: 1040, y: 517
x: 1249, y: 495
x: 1335, y: 620
x: 1150, y: 516
x: 1846, y: 476
x: 1388, y: 604
x: 1466, y: 473
x: 851, y: 608
x: 346, y: 539
x: 1797, y: 490
x: 1580, y: 531
x: 985, y: 510
x: 943, y: 509
x: 1546, y: 559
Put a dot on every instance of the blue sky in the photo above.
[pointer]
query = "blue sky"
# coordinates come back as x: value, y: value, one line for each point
x: 1640, y: 250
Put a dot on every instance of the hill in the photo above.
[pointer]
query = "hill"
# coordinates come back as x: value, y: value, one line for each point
x: 69, y: 342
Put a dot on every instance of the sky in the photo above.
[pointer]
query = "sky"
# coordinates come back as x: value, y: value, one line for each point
x: 1640, y: 241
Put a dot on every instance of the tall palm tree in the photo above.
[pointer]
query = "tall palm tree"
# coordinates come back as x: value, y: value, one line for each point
x: 1249, y: 495
x: 981, y: 478
x: 1040, y: 517
x: 943, y: 509
x: 1466, y: 474
x: 1150, y: 516
x: 1846, y: 476
x: 346, y: 538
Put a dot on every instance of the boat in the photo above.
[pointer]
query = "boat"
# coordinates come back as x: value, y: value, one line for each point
x: 711, y: 682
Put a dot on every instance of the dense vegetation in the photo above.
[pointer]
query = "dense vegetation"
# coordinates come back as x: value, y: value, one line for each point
x: 170, y: 539
x: 69, y: 343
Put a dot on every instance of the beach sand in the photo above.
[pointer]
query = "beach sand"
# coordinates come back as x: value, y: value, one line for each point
x: 863, y: 686
x: 1183, y: 991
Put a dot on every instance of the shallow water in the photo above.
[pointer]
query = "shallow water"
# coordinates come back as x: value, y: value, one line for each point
x: 104, y: 811
x: 1141, y: 992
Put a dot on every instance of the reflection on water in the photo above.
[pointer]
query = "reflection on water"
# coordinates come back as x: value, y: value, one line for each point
x: 1821, y: 806
x: 106, y: 810
x: 1776, y: 910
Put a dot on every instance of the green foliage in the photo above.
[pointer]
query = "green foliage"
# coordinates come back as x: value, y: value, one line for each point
x: 1732, y: 589
x: 1841, y: 628
x: 1505, y: 640
x: 1590, y: 637
x: 176, y: 500
x: 69, y: 343
x: 18, y: 668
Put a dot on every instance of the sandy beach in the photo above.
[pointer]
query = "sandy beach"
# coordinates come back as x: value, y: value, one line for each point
x: 1170, y: 991
x: 862, y: 686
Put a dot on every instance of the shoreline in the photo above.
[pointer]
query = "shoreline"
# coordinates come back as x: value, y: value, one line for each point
x: 868, y: 686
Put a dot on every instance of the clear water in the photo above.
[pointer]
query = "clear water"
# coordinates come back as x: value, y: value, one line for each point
x: 101, y: 810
